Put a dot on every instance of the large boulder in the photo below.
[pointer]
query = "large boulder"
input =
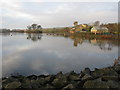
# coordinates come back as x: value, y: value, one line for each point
x: 113, y: 84
x: 13, y: 85
x: 81, y: 75
x: 8, y: 80
x: 69, y: 87
x: 105, y: 71
x: 48, y: 86
x: 59, y: 83
x: 87, y: 77
x: 95, y: 84
x: 32, y: 77
x: 86, y: 71
x: 42, y: 81
x: 35, y: 84
x: 98, y: 83
x: 117, y: 68
x: 26, y: 83
x: 110, y: 77
x: 49, y: 78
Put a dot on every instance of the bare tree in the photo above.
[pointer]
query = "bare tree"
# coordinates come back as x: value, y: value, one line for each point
x: 75, y: 23
x: 96, y: 23
x: 39, y: 27
x: 29, y: 27
x: 34, y: 26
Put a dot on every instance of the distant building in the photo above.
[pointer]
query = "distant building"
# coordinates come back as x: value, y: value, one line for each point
x: 98, y: 29
x: 79, y: 28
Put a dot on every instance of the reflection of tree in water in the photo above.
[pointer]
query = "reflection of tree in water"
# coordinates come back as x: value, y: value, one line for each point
x: 77, y: 41
x: 103, y: 44
x: 5, y: 34
x: 34, y: 36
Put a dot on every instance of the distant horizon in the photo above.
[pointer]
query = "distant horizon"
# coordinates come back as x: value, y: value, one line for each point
x: 54, y: 27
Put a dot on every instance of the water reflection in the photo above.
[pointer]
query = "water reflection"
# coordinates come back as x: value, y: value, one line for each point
x: 52, y: 54
x: 34, y: 36
x: 103, y: 44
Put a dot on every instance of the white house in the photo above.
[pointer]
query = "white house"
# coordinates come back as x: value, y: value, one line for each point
x: 98, y: 29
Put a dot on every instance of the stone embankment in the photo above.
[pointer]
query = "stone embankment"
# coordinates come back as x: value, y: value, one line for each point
x: 107, y: 78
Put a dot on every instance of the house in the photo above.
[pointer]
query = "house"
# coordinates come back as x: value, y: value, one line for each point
x: 80, y: 28
x: 99, y: 29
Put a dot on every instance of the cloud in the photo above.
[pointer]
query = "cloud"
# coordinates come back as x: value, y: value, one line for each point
x: 13, y: 10
x: 54, y: 14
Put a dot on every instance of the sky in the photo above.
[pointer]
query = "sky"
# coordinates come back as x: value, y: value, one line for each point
x: 18, y: 14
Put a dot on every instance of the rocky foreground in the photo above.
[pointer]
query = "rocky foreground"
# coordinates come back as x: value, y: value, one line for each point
x: 106, y: 78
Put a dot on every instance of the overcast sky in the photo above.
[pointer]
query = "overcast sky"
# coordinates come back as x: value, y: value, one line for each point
x: 16, y: 14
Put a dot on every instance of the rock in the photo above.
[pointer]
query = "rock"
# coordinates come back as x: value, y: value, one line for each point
x: 117, y: 68
x: 96, y: 69
x: 59, y: 83
x: 95, y: 84
x: 26, y: 84
x: 113, y: 84
x: 87, y: 77
x: 18, y: 77
x: 42, y: 76
x: 81, y: 75
x: 35, y: 84
x: 105, y: 71
x: 8, y: 80
x: 42, y: 81
x: 49, y: 78
x: 110, y: 77
x: 60, y: 73
x: 86, y: 71
x: 74, y: 78
x: 13, y: 85
x: 32, y: 77
x: 68, y: 87
x: 72, y: 73
x: 48, y: 86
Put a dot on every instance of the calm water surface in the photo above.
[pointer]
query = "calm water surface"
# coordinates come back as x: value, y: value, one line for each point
x: 28, y: 54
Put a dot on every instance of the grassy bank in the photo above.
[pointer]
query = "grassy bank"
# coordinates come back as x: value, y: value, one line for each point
x: 65, y: 31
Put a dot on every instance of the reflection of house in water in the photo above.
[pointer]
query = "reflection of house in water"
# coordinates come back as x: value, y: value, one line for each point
x: 34, y: 36
x: 93, y: 41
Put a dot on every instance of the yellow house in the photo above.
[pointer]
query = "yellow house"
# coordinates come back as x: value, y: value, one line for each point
x: 84, y: 25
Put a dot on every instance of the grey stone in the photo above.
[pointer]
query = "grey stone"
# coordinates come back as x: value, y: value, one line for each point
x: 113, y: 84
x: 95, y: 84
x: 87, y: 77
x: 105, y: 71
x: 68, y: 87
x: 86, y: 71
x: 13, y: 85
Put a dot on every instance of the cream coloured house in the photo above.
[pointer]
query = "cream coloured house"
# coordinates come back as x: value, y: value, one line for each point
x: 98, y: 29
